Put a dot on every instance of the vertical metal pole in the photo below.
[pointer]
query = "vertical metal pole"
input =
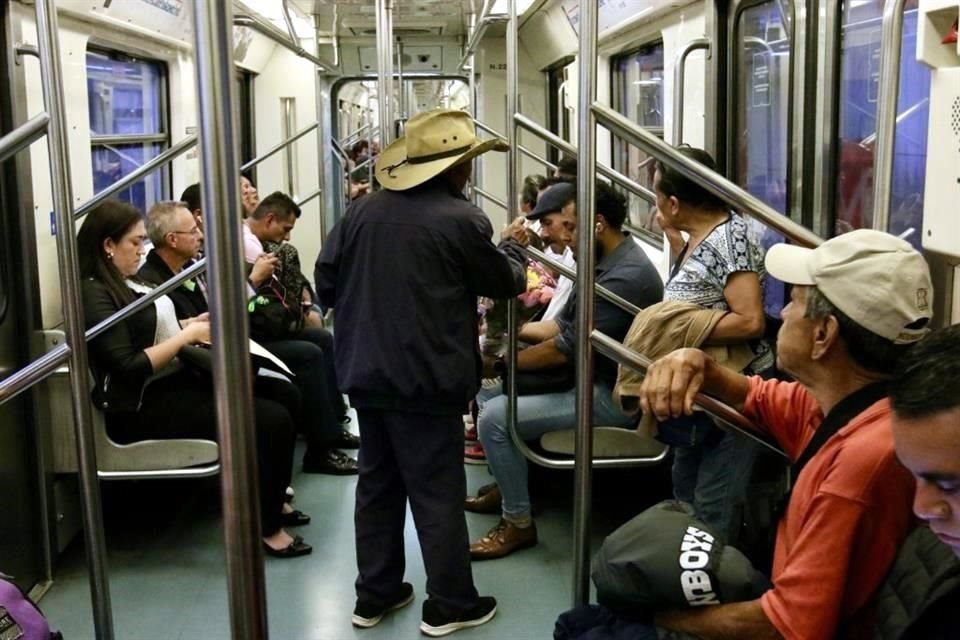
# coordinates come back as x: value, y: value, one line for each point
x: 385, y: 69
x: 512, y: 208
x: 322, y: 134
x: 232, y: 372
x: 477, y: 174
x: 48, y: 45
x: 889, y: 90
x: 403, y: 91
x: 802, y: 77
x: 825, y: 134
x: 288, y: 128
x: 586, y: 175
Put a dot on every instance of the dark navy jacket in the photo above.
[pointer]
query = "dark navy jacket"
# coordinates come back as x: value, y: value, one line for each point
x: 403, y: 270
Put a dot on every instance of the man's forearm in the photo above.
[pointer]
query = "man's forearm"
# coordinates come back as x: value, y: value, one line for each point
x: 722, y: 622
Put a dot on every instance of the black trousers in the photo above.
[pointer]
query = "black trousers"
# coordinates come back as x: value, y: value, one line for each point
x: 417, y: 457
x: 314, y: 377
x: 182, y: 406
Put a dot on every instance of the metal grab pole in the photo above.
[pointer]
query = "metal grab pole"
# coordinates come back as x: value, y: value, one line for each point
x: 385, y: 70
x: 586, y: 181
x: 231, y: 356
x: 615, y: 176
x: 513, y: 105
x: 713, y: 182
x: 280, y: 146
x: 24, y: 135
x: 62, y: 192
x: 679, y: 77
x: 161, y: 160
x: 889, y: 90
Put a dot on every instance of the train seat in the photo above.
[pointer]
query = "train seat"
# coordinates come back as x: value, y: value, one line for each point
x: 608, y: 443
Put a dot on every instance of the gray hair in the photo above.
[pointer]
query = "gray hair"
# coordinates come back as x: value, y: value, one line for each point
x: 867, y: 349
x: 161, y: 220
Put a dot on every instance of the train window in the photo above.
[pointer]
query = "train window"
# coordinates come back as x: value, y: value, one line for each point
x: 637, y: 85
x: 128, y: 123
x: 859, y: 81
x: 761, y: 135
x: 762, y: 95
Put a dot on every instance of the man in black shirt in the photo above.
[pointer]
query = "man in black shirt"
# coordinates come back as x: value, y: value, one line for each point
x: 176, y: 238
x: 403, y: 270
x: 622, y: 268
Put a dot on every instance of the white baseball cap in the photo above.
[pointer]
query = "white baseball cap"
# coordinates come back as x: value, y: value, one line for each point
x: 878, y: 280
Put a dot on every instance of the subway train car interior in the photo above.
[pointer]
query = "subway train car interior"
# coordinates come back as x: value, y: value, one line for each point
x: 250, y: 294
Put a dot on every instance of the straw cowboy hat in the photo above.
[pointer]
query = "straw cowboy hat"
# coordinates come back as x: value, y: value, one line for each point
x: 435, y: 141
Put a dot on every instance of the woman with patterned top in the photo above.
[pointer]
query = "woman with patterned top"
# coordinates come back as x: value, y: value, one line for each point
x: 717, y: 266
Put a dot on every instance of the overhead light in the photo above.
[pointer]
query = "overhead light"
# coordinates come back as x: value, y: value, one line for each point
x: 649, y: 83
x: 500, y: 6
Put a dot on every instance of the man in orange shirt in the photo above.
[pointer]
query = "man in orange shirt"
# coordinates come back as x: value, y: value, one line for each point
x: 858, y: 300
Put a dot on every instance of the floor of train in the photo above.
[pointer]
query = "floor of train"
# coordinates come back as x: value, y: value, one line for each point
x: 166, y: 563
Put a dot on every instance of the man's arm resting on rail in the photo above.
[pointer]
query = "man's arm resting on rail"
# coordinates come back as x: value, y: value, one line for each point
x: 673, y: 381
x: 722, y: 622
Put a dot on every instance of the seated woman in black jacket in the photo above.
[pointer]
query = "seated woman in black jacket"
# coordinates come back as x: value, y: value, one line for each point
x: 146, y: 392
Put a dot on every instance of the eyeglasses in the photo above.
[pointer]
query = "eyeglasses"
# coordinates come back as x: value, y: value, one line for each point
x: 193, y: 232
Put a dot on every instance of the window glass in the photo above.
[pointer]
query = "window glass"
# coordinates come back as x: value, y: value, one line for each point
x: 638, y: 95
x: 127, y: 124
x: 112, y: 162
x: 760, y: 139
x: 859, y: 84
x: 125, y: 96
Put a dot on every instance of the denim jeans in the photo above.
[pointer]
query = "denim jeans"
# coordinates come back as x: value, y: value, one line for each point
x: 713, y: 476
x: 536, y: 415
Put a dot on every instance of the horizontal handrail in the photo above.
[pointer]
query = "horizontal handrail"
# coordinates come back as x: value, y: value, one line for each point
x: 522, y: 149
x: 558, y: 142
x: 489, y: 196
x: 24, y: 135
x: 147, y: 299
x: 35, y: 372
x: 726, y: 190
x: 729, y: 417
x: 277, y: 148
x: 161, y: 160
x: 277, y: 35
x: 310, y: 197
x: 603, y: 292
x: 354, y: 137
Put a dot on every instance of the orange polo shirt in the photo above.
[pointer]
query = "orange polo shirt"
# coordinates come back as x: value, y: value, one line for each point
x: 847, y: 515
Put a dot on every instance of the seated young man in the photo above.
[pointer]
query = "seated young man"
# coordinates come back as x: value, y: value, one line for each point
x: 925, y: 393
x: 857, y: 302
x: 309, y: 352
x: 624, y: 269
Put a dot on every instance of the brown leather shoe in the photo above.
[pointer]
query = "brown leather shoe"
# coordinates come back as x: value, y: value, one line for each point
x: 502, y: 540
x: 488, y: 502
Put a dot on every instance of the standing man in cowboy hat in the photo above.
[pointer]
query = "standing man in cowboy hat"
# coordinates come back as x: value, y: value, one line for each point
x: 404, y: 268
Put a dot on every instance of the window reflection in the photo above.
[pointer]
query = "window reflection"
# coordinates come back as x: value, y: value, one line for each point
x: 638, y: 95
x: 860, y: 69
x: 126, y: 99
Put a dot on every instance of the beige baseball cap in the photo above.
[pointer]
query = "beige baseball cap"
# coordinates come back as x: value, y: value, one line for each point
x: 878, y: 280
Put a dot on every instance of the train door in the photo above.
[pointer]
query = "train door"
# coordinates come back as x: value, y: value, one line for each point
x: 22, y: 538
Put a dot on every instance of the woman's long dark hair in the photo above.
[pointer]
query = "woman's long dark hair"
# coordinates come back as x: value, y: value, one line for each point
x: 111, y: 219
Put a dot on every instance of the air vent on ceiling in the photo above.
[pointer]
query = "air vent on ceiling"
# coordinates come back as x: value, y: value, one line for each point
x: 399, y: 31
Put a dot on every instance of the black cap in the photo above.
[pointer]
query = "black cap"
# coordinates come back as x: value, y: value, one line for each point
x: 553, y: 199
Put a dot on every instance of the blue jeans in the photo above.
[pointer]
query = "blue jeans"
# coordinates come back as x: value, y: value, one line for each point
x: 536, y: 415
x: 713, y: 477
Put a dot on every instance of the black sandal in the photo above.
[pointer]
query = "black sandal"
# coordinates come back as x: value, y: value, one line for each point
x: 295, y: 549
x: 295, y: 518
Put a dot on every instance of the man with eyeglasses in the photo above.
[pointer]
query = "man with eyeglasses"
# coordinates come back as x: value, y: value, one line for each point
x: 177, y: 239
